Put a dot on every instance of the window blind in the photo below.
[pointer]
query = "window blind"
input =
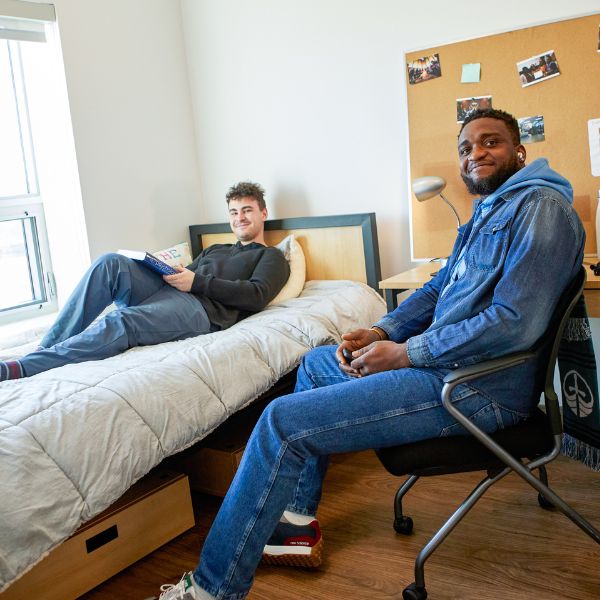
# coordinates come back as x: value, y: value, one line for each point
x: 25, y: 21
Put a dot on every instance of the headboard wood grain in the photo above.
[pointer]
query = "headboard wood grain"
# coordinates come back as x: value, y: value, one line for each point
x: 335, y: 247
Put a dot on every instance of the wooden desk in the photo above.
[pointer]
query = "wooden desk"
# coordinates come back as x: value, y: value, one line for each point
x: 419, y: 276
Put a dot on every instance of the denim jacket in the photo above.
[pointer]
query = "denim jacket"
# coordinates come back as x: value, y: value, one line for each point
x: 520, y: 257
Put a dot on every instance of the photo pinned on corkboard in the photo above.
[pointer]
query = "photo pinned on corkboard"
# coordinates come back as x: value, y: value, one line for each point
x: 538, y: 68
x: 465, y: 106
x: 531, y: 129
x: 424, y: 69
x: 594, y: 138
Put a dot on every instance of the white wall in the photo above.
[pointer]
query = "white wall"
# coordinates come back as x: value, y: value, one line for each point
x: 129, y: 98
x: 308, y: 97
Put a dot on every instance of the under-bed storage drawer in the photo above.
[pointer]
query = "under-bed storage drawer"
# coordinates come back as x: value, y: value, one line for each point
x: 211, y: 468
x: 151, y: 513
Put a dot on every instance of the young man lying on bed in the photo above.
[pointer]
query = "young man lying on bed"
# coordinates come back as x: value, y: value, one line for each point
x: 225, y: 284
x: 509, y: 266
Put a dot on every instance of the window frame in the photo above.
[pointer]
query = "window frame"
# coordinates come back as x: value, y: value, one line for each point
x: 29, y: 205
x: 39, y: 252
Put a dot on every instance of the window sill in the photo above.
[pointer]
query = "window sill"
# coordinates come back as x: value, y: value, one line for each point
x: 23, y: 333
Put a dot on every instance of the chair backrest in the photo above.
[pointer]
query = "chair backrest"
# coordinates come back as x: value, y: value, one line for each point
x: 546, y: 348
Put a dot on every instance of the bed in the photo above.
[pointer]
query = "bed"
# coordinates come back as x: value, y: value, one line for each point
x: 74, y: 439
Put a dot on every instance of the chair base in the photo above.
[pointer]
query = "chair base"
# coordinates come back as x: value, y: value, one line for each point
x: 403, y: 524
x: 414, y: 592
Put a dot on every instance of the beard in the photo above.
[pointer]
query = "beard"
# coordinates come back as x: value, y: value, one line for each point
x: 488, y: 185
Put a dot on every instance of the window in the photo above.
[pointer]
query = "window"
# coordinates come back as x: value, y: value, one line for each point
x: 27, y: 283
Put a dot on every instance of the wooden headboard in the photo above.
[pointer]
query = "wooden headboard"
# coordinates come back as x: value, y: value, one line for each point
x: 335, y: 247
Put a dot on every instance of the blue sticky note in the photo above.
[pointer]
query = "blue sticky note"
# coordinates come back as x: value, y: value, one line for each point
x: 470, y: 73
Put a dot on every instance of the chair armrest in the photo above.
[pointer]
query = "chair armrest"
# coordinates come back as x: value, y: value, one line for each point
x: 458, y: 376
x: 487, y: 367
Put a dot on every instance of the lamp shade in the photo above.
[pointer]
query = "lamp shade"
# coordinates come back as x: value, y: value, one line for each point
x: 428, y: 187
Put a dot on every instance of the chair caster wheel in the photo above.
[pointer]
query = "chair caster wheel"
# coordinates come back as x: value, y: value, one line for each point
x: 403, y: 525
x: 544, y: 503
x: 414, y: 592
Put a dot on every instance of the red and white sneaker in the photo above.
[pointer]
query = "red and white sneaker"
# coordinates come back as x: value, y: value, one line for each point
x: 295, y: 545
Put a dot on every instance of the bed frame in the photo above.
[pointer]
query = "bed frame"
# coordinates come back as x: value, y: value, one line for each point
x: 335, y: 247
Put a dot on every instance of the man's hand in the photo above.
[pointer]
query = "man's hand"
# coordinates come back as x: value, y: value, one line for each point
x: 182, y: 280
x: 352, y: 341
x: 378, y: 357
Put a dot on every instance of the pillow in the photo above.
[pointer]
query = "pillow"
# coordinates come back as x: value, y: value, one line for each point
x: 177, y: 255
x: 293, y: 253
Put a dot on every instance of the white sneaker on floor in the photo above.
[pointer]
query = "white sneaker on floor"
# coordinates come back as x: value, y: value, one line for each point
x: 184, y: 590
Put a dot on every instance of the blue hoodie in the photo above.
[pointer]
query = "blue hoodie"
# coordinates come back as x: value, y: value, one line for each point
x: 520, y: 256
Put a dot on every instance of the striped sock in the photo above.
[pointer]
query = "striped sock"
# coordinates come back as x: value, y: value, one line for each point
x: 10, y: 369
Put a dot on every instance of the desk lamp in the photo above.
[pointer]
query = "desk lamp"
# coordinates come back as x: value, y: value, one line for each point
x: 428, y: 187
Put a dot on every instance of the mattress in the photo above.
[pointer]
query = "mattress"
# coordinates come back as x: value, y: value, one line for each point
x: 74, y: 439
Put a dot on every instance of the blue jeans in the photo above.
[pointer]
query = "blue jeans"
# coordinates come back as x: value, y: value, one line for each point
x: 149, y: 311
x: 329, y: 412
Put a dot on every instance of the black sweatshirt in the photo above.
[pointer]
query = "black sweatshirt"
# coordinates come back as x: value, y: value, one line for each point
x: 232, y: 281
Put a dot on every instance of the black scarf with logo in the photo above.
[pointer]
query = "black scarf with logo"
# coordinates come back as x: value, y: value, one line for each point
x: 579, y: 387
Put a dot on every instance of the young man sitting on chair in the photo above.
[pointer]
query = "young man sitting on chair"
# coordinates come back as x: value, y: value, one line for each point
x: 225, y: 284
x: 509, y: 266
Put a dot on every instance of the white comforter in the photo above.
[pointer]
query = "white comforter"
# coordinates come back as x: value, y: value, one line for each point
x: 72, y: 440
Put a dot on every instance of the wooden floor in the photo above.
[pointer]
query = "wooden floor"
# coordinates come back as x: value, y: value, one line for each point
x: 507, y: 547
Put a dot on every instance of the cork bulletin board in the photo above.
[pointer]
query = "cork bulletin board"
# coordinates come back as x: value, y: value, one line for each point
x: 566, y: 102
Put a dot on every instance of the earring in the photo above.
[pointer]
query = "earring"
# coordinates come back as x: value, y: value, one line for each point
x: 520, y: 155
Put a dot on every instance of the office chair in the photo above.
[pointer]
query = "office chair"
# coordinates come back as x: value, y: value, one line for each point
x: 537, y: 439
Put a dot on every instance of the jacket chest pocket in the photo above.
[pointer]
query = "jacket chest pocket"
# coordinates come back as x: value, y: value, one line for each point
x: 489, y: 248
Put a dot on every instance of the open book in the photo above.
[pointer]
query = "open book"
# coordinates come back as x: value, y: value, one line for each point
x: 149, y: 260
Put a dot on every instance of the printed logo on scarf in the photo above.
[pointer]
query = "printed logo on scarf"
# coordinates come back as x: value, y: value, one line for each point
x: 577, y: 393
